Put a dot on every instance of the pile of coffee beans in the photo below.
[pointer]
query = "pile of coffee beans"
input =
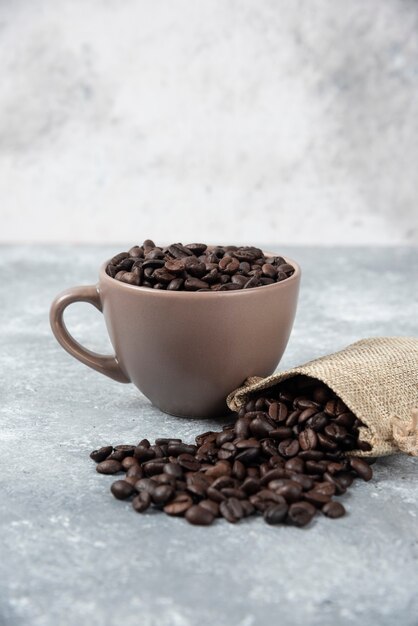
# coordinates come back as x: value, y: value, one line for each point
x: 285, y: 456
x: 195, y: 267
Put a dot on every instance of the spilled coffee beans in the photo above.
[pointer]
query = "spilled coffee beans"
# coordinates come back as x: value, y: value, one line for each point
x: 285, y: 457
x: 195, y: 267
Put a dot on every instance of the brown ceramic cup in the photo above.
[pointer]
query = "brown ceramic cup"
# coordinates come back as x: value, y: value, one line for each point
x: 185, y: 350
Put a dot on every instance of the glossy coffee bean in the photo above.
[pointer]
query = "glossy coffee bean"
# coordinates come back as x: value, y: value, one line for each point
x: 276, y: 513
x: 199, y: 516
x: 101, y: 454
x: 361, y: 468
x: 109, y: 467
x: 333, y: 509
x: 141, y: 502
x: 179, y: 505
x: 301, y: 513
x: 122, y: 489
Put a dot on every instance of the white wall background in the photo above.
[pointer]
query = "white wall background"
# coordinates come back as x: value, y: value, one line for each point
x: 219, y: 120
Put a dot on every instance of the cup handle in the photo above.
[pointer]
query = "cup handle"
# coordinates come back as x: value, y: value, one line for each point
x: 105, y: 364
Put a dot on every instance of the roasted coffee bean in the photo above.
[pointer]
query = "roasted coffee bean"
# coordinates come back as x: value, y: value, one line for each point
x: 221, y: 468
x: 242, y: 427
x: 261, y: 426
x: 268, y: 447
x: 224, y: 481
x: 295, y: 465
x: 301, y: 513
x: 311, y: 455
x: 305, y: 481
x: 242, y: 444
x: 211, y: 505
x: 293, y: 418
x: 316, y: 497
x: 289, y: 447
x: 345, y: 479
x: 248, y: 457
x: 306, y: 415
x: 231, y: 510
x: 146, y: 484
x: 215, y: 494
x: 227, y: 451
x: 346, y: 419
x: 251, y: 485
x: 308, y: 439
x: 333, y: 509
x: 278, y: 411
x: 178, y: 505
x: 135, y: 470
x: 101, y: 454
x: 281, y: 433
x: 128, y: 462
x: 176, y: 448
x: 109, y: 467
x: 197, y: 485
x: 238, y: 470
x: 117, y: 455
x: 230, y: 492
x: 315, y: 467
x: 291, y: 490
x: 339, y: 488
x: 199, y: 515
x: 325, y: 488
x: 162, y: 494
x: 188, y: 462
x: 122, y: 489
x: 361, y: 468
x: 276, y: 513
x: 273, y: 474
x: 224, y: 437
x: 336, y: 432
x: 326, y: 443
x: 141, y: 502
x: 318, y: 422
x: 193, y: 284
x: 143, y: 453
x: 152, y: 468
x: 173, y: 469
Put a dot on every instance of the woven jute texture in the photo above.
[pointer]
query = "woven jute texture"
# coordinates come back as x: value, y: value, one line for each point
x: 377, y: 379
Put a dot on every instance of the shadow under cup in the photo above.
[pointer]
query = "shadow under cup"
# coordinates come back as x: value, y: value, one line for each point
x: 185, y: 351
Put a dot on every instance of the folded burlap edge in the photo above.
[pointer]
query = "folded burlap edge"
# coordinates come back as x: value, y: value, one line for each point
x: 394, y: 433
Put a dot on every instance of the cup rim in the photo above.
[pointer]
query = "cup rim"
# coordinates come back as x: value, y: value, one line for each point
x: 211, y: 294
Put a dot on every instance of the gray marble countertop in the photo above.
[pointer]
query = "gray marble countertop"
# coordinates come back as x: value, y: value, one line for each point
x: 72, y: 555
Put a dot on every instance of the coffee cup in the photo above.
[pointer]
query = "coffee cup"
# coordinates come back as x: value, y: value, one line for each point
x: 185, y: 351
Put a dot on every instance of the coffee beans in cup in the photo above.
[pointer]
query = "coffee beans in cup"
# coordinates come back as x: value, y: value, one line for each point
x: 286, y: 456
x: 196, y: 267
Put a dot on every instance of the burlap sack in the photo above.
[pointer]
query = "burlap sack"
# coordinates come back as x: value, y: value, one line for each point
x: 376, y: 378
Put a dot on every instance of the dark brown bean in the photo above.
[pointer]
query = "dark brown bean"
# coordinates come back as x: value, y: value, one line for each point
x: 141, y: 502
x: 333, y: 509
x: 289, y: 448
x: 276, y: 513
x: 361, y: 468
x: 308, y: 439
x: 109, y: 467
x: 199, y: 516
x: 101, y: 454
x: 122, y: 489
x: 301, y: 513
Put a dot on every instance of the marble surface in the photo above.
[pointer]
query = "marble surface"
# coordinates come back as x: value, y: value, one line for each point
x: 72, y: 555
x: 296, y: 119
